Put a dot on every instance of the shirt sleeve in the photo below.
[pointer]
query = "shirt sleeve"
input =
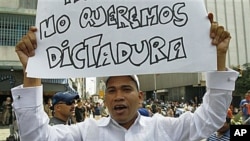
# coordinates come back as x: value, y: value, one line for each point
x: 22, y: 96
x: 28, y: 107
x: 223, y: 80
x: 33, y: 122
x: 210, y: 115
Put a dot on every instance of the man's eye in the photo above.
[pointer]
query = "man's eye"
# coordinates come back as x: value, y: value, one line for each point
x: 127, y: 89
x: 110, y: 91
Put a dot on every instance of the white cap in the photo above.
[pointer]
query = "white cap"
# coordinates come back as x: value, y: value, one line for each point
x: 134, y: 77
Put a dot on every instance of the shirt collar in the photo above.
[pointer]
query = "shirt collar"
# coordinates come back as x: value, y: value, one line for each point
x: 107, y: 121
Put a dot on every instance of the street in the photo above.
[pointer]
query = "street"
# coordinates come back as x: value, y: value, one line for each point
x: 4, y: 132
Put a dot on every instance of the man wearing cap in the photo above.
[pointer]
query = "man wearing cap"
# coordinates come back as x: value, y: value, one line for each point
x: 122, y: 96
x: 63, y: 106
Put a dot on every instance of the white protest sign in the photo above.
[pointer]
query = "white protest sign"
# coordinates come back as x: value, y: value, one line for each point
x: 91, y: 38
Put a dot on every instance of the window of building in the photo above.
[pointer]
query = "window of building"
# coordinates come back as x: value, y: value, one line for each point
x: 13, y: 27
x: 28, y: 4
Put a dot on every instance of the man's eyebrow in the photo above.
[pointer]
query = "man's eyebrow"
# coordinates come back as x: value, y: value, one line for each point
x: 122, y: 86
x: 110, y: 87
x: 126, y: 86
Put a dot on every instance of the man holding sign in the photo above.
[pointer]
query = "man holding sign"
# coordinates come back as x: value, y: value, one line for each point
x: 122, y: 96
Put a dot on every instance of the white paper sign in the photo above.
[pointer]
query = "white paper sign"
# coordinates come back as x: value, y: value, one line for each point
x: 91, y: 38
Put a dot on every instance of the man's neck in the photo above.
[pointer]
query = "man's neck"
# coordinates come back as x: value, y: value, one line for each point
x: 62, y: 118
x: 128, y: 124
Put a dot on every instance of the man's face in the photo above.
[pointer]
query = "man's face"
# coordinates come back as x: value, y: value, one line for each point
x: 49, y: 102
x: 122, y: 99
x: 8, y: 99
x: 248, y: 96
x: 65, y: 109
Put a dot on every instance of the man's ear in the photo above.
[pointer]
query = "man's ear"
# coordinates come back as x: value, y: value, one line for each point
x: 57, y: 107
x: 141, y: 96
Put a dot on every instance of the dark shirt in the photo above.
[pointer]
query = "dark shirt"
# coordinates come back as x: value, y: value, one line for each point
x: 80, y: 114
x: 97, y: 111
x: 55, y: 121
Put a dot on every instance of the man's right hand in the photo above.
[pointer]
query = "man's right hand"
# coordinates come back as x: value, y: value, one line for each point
x: 25, y: 48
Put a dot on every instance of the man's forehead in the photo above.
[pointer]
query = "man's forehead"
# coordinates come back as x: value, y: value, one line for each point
x: 123, y: 78
x: 120, y: 79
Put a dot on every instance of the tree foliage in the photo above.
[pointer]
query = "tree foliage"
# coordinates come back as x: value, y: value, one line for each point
x: 243, y: 82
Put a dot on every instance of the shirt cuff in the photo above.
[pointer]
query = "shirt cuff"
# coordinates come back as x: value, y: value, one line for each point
x: 224, y: 80
x: 26, y: 97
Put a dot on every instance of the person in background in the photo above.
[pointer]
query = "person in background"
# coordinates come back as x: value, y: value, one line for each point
x: 122, y: 95
x: 88, y: 108
x: 230, y: 113
x: 97, y: 111
x: 245, y: 108
x: 170, y: 112
x: 143, y: 111
x: 159, y: 112
x: 80, y: 111
x: 7, y: 111
x: 63, y: 106
x: 104, y: 112
x: 48, y: 107
x: 154, y: 107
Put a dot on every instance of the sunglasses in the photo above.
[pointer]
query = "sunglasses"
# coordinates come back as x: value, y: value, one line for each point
x: 67, y: 103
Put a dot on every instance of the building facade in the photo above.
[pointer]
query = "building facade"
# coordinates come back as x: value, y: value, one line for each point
x: 16, y: 16
x: 233, y: 15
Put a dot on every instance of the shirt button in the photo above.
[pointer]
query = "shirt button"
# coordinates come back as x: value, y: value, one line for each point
x: 230, y: 79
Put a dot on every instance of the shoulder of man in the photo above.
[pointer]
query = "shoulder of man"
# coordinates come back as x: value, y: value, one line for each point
x: 55, y: 121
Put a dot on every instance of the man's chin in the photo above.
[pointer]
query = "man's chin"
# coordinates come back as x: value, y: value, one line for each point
x: 121, y: 119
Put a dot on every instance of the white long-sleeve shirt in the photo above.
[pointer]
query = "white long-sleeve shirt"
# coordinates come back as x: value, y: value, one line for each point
x: 33, y: 121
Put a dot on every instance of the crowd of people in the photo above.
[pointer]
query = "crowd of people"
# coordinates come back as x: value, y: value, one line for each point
x: 150, y: 108
x: 168, y: 108
x: 68, y: 108
x: 245, y: 108
x: 85, y: 109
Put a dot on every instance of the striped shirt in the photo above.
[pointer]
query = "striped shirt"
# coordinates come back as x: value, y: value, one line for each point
x: 216, y: 137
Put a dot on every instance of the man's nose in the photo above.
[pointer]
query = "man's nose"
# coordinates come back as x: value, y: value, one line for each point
x: 119, y: 96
